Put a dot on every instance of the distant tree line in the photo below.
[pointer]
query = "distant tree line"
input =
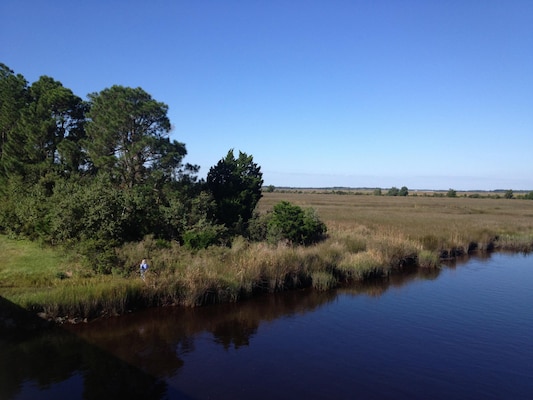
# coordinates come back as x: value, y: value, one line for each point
x: 97, y: 173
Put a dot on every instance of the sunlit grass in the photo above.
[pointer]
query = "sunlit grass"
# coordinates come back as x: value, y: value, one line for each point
x: 29, y: 264
x: 439, y: 223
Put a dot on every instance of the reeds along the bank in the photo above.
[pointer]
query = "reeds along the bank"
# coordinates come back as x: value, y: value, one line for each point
x: 218, y: 275
x: 85, y: 299
x: 361, y: 266
x: 522, y: 242
x: 428, y: 259
x: 323, y: 280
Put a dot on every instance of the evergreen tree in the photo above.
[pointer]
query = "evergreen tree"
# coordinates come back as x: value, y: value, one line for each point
x: 52, y: 114
x: 127, y: 133
x: 236, y: 187
x: 13, y: 98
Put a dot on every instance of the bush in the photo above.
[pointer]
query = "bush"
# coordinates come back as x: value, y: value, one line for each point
x: 258, y: 227
x: 451, y: 193
x: 393, y: 191
x: 292, y: 223
x: 99, y: 254
x: 203, y: 235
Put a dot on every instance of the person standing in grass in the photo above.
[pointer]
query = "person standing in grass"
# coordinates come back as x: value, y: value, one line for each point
x: 144, y: 267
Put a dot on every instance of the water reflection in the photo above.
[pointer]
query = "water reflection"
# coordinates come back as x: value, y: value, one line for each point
x: 41, y: 357
x: 155, y: 339
x: 134, y: 355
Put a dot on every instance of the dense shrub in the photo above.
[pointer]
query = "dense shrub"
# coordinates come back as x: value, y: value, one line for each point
x: 451, y: 193
x: 203, y: 235
x: 393, y: 191
x: 292, y: 223
x: 403, y: 191
x: 258, y: 227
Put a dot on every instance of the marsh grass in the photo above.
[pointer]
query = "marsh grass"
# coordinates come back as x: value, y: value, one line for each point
x: 323, y: 280
x: 428, y: 259
x: 368, y: 237
x: 363, y: 265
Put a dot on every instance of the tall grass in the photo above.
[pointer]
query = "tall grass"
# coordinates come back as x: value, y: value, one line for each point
x: 369, y: 237
x: 363, y: 265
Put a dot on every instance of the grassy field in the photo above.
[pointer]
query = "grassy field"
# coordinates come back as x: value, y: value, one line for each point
x: 368, y: 236
x: 446, y: 222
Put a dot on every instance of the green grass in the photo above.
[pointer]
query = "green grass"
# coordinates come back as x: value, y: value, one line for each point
x: 27, y: 264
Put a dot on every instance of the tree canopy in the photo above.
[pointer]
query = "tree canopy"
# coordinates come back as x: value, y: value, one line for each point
x: 13, y: 98
x: 127, y: 132
x: 236, y: 187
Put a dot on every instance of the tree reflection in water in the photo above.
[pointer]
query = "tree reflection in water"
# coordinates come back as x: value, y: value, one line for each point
x: 35, y: 355
x: 132, y: 355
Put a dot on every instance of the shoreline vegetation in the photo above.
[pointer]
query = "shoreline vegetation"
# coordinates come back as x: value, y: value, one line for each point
x: 369, y: 237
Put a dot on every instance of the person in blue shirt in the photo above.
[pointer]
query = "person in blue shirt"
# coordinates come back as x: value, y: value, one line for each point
x: 144, y: 267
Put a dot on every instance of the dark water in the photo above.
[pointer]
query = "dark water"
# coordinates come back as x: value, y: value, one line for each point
x: 465, y: 332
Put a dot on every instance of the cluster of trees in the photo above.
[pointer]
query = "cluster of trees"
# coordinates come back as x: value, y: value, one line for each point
x: 99, y: 172
x: 393, y: 191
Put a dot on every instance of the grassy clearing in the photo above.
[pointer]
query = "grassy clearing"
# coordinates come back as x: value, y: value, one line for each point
x: 369, y: 236
x: 439, y: 224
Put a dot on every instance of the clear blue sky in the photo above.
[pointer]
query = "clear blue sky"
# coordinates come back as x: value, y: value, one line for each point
x: 426, y: 94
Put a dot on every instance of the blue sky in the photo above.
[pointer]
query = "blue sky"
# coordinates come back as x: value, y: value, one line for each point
x: 423, y: 94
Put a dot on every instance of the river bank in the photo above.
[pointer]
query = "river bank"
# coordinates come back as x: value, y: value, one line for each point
x: 369, y: 237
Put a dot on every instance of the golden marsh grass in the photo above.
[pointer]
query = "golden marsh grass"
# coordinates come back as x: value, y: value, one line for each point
x: 438, y: 223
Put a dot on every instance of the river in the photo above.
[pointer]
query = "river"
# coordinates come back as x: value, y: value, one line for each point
x: 463, y: 332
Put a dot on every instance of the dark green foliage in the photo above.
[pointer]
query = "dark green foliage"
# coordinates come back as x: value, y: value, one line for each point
x: 100, y: 254
x: 128, y: 136
x: 203, y: 235
x: 529, y: 196
x: 258, y: 227
x: 236, y: 188
x: 393, y: 191
x: 451, y: 193
x: 92, y: 209
x: 294, y: 224
x: 44, y: 136
x: 13, y: 99
x: 509, y: 194
x: 24, y: 210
